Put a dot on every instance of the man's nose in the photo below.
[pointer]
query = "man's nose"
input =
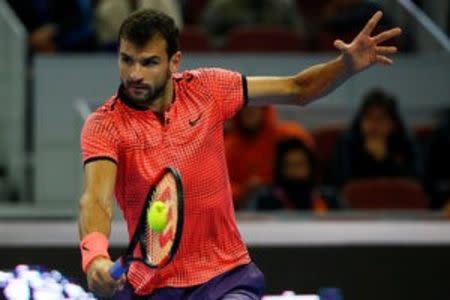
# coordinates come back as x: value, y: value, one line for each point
x: 136, y: 73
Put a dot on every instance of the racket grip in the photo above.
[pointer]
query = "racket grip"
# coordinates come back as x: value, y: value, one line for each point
x: 118, y: 269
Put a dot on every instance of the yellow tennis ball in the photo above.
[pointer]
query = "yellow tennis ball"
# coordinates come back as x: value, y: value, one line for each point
x: 157, y: 216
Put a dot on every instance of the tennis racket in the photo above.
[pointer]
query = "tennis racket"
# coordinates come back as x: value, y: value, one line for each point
x: 157, y: 249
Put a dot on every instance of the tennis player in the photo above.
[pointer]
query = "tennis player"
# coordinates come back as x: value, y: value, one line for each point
x: 161, y: 117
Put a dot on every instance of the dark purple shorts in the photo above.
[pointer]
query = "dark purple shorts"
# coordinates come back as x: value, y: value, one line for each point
x: 244, y: 282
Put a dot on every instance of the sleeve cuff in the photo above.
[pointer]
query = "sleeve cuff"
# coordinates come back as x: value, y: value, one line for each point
x: 245, y: 89
x: 95, y: 158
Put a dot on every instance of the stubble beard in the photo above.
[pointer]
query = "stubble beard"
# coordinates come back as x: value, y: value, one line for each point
x: 153, y: 93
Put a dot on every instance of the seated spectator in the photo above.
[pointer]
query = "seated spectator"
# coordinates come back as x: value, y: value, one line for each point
x: 377, y: 144
x: 109, y: 14
x: 250, y: 148
x: 221, y: 16
x: 350, y: 15
x: 437, y: 165
x: 294, y: 183
x: 345, y: 18
x: 55, y: 25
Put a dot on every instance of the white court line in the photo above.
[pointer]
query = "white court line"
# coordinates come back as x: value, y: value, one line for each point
x: 255, y: 233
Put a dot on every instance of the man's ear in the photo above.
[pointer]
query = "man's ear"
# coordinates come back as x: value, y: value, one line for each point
x: 175, y: 62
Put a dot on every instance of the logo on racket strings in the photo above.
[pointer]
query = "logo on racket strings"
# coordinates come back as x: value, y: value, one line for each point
x: 165, y: 195
x: 169, y: 234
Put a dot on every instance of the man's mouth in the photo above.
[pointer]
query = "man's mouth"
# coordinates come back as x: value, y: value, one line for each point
x: 138, y: 88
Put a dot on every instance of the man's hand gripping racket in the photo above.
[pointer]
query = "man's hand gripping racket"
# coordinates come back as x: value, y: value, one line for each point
x: 158, y: 233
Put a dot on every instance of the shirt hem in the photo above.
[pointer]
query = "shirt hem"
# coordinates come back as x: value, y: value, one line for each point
x: 242, y: 262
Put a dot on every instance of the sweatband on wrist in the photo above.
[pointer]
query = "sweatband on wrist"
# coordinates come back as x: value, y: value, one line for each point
x: 93, y: 245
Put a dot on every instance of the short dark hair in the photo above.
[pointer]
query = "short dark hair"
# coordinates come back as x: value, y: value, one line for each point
x: 143, y: 25
x: 294, y: 143
x: 378, y: 97
x: 399, y: 141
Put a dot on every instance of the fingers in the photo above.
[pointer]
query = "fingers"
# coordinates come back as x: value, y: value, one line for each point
x: 381, y: 59
x: 102, y: 285
x: 383, y: 50
x: 102, y: 289
x: 372, y: 23
x: 386, y: 35
x: 100, y: 281
x: 121, y: 283
x: 340, y: 45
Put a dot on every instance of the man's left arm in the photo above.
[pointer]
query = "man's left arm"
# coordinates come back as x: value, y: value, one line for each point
x: 319, y: 80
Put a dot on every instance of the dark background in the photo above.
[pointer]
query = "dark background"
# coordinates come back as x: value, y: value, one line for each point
x: 362, y: 272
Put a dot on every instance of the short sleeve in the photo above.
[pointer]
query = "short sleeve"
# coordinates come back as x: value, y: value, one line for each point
x: 99, y: 139
x: 227, y: 88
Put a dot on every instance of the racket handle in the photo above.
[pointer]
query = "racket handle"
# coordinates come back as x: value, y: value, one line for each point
x: 118, y: 269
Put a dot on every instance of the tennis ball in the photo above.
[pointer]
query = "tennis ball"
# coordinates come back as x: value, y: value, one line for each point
x: 157, y: 216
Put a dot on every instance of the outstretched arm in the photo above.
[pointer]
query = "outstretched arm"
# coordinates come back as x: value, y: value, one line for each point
x: 95, y: 217
x: 319, y: 80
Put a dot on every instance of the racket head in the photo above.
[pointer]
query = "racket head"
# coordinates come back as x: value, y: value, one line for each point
x: 159, y: 248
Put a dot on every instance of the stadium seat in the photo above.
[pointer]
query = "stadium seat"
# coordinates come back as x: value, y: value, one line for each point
x: 311, y: 9
x: 423, y: 133
x: 193, y: 38
x: 263, y: 39
x: 385, y: 193
x: 194, y: 10
x: 326, y: 138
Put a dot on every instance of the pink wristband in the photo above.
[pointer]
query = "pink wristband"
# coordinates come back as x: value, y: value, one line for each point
x: 93, y: 245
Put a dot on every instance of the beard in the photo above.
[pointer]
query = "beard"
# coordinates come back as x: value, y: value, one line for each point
x: 149, y: 94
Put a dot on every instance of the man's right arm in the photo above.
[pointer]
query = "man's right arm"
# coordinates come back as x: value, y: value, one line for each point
x: 96, y: 212
x: 96, y: 207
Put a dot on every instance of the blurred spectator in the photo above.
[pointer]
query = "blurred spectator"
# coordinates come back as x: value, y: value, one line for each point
x: 350, y: 15
x: 377, y: 144
x: 344, y: 19
x: 250, y: 148
x: 55, y: 25
x: 170, y: 7
x: 294, y: 183
x: 437, y: 165
x: 35, y: 282
x: 109, y: 14
x: 221, y: 16
x: 193, y: 10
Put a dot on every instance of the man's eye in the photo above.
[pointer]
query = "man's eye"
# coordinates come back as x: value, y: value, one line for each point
x: 149, y: 63
x: 127, y: 60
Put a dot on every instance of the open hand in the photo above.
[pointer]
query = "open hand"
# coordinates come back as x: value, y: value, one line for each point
x: 364, y: 50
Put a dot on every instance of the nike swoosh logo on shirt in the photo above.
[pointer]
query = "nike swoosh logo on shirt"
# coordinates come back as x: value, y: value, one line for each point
x: 195, y: 121
x: 85, y: 248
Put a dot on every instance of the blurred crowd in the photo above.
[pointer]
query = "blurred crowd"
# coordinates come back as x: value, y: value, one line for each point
x: 375, y: 163
x: 205, y: 25
x: 39, y: 283
x: 275, y: 164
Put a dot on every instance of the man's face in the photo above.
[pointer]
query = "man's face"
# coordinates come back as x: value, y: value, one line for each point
x: 145, y: 71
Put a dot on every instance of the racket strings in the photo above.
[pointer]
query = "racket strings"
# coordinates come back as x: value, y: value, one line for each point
x: 157, y: 246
